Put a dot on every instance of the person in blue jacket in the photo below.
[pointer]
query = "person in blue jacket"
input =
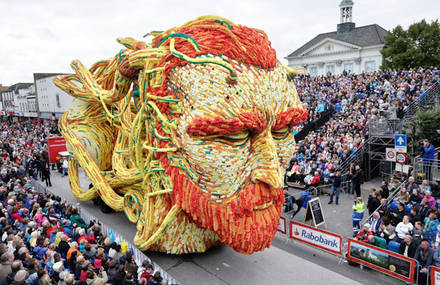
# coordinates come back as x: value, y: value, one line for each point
x: 428, y: 158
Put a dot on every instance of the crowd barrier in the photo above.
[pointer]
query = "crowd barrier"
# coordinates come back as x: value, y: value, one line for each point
x: 383, y: 260
x: 434, y: 276
x: 139, y: 256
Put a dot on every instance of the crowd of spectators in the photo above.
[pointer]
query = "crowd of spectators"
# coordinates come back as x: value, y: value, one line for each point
x: 356, y: 99
x: 407, y: 224
x: 23, y: 149
x: 44, y: 240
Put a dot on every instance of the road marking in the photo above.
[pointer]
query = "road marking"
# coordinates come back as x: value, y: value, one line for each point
x: 226, y: 265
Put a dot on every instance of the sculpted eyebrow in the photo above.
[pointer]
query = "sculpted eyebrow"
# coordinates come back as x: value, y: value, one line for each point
x: 253, y: 121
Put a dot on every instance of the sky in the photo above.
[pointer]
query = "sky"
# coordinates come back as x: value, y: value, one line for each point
x: 46, y: 35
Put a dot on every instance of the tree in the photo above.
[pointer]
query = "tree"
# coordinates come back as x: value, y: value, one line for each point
x: 419, y: 46
x: 428, y: 124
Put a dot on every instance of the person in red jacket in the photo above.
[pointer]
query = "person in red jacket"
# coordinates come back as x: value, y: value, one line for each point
x: 16, y: 215
x: 83, y: 235
x: 364, y: 233
x: 315, y: 180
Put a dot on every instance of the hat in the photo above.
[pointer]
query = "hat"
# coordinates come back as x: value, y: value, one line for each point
x: 367, y: 225
x: 150, y: 266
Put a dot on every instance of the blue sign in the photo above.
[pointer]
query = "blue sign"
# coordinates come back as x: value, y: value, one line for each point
x: 400, y: 140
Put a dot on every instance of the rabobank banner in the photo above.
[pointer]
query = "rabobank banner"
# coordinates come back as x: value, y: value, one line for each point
x: 316, y: 237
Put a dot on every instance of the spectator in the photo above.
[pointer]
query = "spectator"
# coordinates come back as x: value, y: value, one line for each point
x: 403, y: 196
x: 415, y: 198
x: 375, y: 222
x: 431, y: 225
x: 377, y: 241
x: 357, y: 180
x: 6, y: 261
x: 425, y: 187
x: 411, y: 184
x: 424, y: 255
x: 336, y: 187
x: 398, y: 214
x: 358, y: 214
x: 373, y: 202
x: 363, y: 234
x: 408, y: 247
x: 428, y: 158
x: 384, y: 191
x: 386, y: 230
x: 403, y: 229
x: 156, y: 279
x: 419, y: 232
x: 65, y: 165
x: 431, y: 201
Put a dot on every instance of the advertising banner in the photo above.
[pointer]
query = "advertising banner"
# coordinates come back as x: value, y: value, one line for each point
x: 282, y: 226
x: 56, y: 145
x: 435, y: 276
x: 382, y: 260
x: 316, y: 237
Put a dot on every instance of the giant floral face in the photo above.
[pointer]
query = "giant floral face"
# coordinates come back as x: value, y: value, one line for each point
x: 189, y: 135
x: 238, y: 140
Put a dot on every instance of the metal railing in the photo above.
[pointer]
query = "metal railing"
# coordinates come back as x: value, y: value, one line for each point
x: 139, y: 256
x: 426, y: 169
x: 384, y: 127
x: 430, y: 97
x: 389, y: 200
x: 354, y: 158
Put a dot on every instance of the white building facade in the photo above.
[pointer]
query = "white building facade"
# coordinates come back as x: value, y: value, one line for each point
x: 15, y: 100
x: 50, y: 100
x: 349, y: 48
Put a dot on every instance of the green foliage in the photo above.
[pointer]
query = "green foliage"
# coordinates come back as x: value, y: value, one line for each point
x: 419, y: 46
x: 428, y: 124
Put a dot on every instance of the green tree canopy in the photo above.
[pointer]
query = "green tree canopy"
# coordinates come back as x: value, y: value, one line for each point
x: 428, y: 124
x: 419, y: 46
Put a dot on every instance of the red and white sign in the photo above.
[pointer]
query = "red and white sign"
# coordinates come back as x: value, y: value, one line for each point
x: 390, y: 154
x: 283, y: 225
x: 56, y: 145
x: 322, y: 239
x: 435, y: 276
x: 401, y: 158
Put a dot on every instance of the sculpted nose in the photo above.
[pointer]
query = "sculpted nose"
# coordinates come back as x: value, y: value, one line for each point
x: 266, y: 166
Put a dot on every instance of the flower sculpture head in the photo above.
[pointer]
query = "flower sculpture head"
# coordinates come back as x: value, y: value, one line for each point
x: 196, y: 130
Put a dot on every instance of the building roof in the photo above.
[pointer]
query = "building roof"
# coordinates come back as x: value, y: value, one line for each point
x: 38, y: 76
x: 361, y: 36
x: 346, y: 3
x: 18, y: 86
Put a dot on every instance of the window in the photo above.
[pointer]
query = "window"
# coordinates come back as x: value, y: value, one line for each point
x: 348, y: 67
x: 313, y: 70
x: 370, y: 66
x: 58, y: 101
x: 330, y: 68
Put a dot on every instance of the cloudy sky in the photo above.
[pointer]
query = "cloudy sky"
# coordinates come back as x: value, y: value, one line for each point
x: 45, y: 35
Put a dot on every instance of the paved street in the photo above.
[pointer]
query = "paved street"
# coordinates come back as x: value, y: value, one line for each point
x: 285, y: 262
x: 338, y: 217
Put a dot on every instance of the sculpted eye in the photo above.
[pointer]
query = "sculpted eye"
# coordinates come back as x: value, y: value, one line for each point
x: 281, y: 134
x: 233, y: 139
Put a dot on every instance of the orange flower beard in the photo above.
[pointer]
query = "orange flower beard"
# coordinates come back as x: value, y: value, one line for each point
x: 247, y: 221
